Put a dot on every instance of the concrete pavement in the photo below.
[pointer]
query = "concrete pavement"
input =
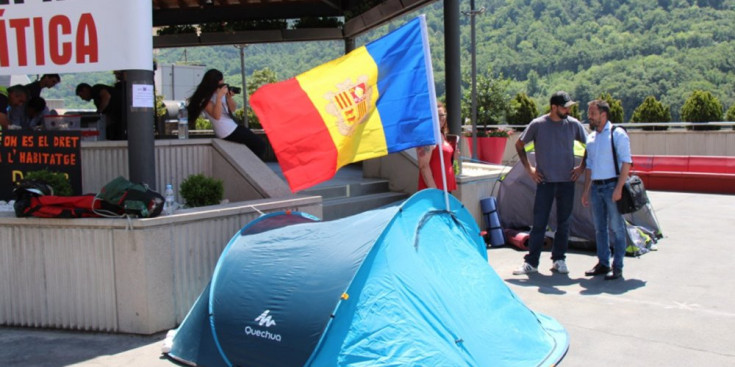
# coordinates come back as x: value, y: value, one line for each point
x: 674, y: 307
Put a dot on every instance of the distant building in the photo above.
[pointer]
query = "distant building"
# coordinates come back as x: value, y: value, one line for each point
x: 177, y: 82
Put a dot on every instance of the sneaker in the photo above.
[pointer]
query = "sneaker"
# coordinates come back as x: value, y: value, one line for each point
x: 560, y: 266
x: 526, y: 268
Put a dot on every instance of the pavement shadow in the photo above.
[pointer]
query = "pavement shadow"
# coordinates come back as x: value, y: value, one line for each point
x: 598, y: 285
x: 547, y: 284
x: 553, y: 284
x: 19, y: 346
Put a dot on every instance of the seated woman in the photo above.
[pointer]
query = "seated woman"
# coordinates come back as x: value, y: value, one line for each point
x: 430, y: 168
x: 213, y: 98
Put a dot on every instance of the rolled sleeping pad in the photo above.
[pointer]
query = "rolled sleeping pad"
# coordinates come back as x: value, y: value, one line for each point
x: 489, y: 208
x: 517, y: 238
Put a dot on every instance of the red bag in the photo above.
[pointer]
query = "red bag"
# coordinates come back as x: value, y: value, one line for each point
x: 51, y: 206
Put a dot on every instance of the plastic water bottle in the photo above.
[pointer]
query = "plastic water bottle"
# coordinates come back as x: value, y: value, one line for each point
x: 183, y: 122
x: 170, y: 205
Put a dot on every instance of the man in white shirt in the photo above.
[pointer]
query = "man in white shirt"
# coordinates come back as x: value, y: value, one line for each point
x: 604, y: 186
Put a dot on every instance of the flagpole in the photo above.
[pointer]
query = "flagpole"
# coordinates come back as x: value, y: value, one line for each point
x: 440, y: 146
x: 438, y: 136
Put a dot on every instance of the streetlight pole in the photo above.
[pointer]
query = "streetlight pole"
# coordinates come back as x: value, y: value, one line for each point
x: 473, y: 54
x: 244, y: 87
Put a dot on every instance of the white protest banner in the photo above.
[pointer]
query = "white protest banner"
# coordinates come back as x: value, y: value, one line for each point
x: 69, y: 36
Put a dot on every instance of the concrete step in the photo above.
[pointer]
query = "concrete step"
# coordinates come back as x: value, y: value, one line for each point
x: 365, y: 187
x: 340, y: 207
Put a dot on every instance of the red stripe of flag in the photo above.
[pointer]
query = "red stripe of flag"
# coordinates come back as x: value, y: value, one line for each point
x: 293, y: 125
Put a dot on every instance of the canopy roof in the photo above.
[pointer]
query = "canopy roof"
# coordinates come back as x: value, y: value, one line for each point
x: 359, y: 16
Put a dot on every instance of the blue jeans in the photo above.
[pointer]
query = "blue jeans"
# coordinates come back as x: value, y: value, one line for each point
x: 546, y: 192
x: 607, y: 219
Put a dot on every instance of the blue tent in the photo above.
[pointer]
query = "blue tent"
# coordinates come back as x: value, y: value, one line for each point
x: 405, y: 285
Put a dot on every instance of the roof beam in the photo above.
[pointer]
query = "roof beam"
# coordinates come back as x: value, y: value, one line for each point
x: 382, y: 13
x: 166, y: 17
x: 332, y: 4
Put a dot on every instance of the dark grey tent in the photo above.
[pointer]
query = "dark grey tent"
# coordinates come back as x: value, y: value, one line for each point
x: 515, y: 207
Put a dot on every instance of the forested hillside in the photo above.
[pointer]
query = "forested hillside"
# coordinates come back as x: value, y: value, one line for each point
x: 629, y: 48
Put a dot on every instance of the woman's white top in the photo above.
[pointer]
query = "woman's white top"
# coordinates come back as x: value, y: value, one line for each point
x: 225, y: 125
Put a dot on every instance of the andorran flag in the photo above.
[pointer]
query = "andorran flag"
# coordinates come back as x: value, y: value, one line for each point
x: 376, y: 100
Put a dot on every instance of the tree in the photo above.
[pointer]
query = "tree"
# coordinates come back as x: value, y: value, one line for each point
x: 522, y: 110
x: 492, y: 99
x: 702, y: 106
x: 532, y: 83
x: 730, y: 116
x: 256, y: 80
x: 616, y: 108
x: 651, y: 110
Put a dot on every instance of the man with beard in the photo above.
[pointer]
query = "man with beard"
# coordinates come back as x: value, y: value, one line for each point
x: 604, y: 186
x: 553, y: 136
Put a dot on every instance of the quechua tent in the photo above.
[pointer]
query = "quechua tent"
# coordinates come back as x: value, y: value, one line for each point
x: 406, y: 285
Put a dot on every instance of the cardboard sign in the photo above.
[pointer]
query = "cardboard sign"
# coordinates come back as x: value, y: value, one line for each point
x: 71, y: 36
x: 25, y: 151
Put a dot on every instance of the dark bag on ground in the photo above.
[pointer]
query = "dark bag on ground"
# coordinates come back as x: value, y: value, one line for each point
x: 132, y: 199
x: 634, y: 194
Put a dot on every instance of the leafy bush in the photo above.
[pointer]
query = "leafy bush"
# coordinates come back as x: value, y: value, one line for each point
x: 318, y: 22
x: 253, y: 121
x: 730, y: 115
x: 58, y: 181
x: 651, y: 110
x: 160, y: 106
x: 176, y: 29
x: 200, y: 190
x: 522, y: 110
x: 202, y: 123
x: 702, y: 106
x: 616, y: 108
x: 492, y: 99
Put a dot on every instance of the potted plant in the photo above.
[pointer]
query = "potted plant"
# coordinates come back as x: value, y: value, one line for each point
x: 492, y: 103
x: 490, y: 143
x: 200, y: 190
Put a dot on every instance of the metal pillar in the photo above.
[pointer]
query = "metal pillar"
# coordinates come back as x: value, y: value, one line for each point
x: 140, y: 118
x: 473, y: 53
x: 244, y: 87
x: 349, y: 44
x: 452, y: 66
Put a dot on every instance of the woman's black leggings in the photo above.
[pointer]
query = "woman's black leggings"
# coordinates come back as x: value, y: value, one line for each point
x: 246, y: 136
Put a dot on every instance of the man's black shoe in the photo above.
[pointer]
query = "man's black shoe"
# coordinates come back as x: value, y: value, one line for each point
x: 614, y: 274
x: 597, y: 270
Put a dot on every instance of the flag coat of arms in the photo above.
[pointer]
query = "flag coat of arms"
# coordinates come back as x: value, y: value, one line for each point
x: 376, y: 100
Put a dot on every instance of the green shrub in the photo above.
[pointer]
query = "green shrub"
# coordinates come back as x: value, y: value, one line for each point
x: 200, y: 190
x: 702, y: 106
x: 202, y: 123
x: 616, y: 108
x: 522, y: 110
x: 730, y: 115
x: 57, y: 180
x: 651, y: 110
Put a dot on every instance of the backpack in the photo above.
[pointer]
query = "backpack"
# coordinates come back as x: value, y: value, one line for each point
x: 131, y: 199
x: 36, y: 199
